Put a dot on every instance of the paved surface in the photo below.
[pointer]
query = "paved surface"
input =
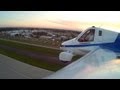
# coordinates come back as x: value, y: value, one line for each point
x: 13, y: 69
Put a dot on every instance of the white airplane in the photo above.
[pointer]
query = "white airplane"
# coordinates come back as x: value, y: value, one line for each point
x: 101, y: 60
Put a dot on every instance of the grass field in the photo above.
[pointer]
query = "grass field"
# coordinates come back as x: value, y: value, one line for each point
x: 29, y: 60
x: 47, y: 51
x: 40, y: 41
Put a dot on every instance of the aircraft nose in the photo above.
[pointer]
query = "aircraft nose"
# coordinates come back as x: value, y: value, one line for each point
x: 62, y: 45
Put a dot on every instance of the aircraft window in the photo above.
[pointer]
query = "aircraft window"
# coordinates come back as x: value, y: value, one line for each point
x: 87, y: 36
x: 100, y: 33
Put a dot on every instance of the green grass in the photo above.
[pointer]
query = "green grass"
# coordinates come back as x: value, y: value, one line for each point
x: 76, y: 57
x: 47, y: 51
x: 29, y: 60
x: 40, y: 41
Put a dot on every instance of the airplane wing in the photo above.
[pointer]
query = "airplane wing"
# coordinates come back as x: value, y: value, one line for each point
x: 98, y: 64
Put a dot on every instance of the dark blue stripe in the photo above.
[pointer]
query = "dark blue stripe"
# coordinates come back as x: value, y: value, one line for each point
x: 115, y: 46
x: 84, y: 45
x: 111, y: 46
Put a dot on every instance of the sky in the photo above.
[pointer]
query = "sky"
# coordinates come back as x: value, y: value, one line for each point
x: 61, y: 19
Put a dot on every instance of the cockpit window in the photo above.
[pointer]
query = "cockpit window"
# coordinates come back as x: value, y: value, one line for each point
x: 87, y: 36
x: 100, y: 33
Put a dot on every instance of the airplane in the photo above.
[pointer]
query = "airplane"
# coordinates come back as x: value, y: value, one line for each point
x: 101, y: 60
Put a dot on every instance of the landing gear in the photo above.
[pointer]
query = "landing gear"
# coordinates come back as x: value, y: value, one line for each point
x: 65, y: 56
x: 65, y: 61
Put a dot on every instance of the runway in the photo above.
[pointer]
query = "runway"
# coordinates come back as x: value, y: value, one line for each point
x: 13, y: 69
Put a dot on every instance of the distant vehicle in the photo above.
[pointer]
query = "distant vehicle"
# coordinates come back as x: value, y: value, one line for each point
x: 14, y: 34
x: 100, y: 48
